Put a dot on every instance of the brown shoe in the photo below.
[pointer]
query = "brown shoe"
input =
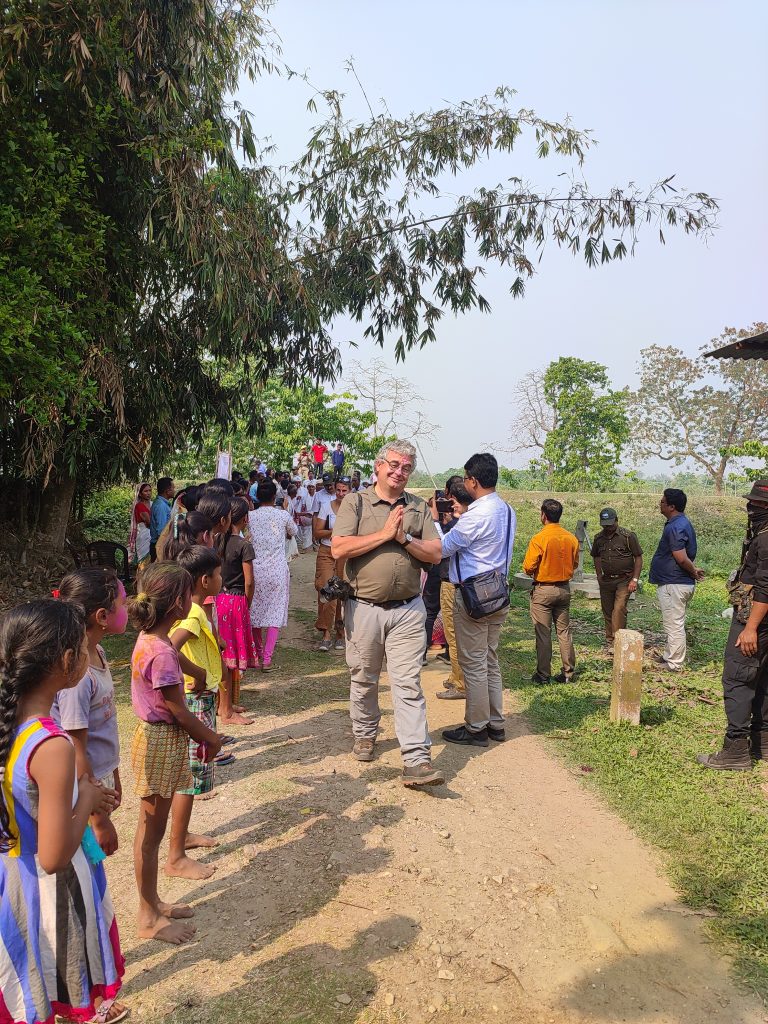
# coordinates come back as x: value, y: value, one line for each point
x: 363, y: 749
x: 423, y: 775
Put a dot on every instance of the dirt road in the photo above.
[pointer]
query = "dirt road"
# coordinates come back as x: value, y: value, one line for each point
x: 340, y: 896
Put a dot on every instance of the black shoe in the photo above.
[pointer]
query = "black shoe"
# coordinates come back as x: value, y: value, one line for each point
x: 734, y: 757
x: 497, y: 735
x: 561, y: 677
x: 759, y: 744
x: 444, y: 656
x: 425, y: 660
x: 423, y: 775
x: 463, y: 735
x: 539, y: 680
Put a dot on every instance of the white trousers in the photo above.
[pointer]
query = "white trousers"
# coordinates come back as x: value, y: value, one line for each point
x: 673, y: 601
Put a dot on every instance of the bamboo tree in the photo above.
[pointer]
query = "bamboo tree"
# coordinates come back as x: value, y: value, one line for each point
x: 195, y: 252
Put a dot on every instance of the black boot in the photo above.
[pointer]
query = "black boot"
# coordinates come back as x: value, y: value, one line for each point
x: 760, y: 744
x: 734, y: 757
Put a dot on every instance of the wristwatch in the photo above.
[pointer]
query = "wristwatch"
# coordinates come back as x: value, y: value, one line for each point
x: 408, y: 539
x: 635, y: 579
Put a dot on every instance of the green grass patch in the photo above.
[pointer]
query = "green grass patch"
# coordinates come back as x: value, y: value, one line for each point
x: 711, y: 827
x: 302, y: 615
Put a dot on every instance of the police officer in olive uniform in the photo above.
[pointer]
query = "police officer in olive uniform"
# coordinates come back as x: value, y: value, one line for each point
x: 618, y: 561
x: 745, y: 665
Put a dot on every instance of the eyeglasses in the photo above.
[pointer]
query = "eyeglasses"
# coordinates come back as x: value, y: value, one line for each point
x: 405, y: 467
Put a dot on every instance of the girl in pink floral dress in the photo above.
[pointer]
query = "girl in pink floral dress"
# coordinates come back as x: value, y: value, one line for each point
x: 234, y: 601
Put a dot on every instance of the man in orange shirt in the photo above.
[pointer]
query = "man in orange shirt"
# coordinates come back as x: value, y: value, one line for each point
x: 552, y: 556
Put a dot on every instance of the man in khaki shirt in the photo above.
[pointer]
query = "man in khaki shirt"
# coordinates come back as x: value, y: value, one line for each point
x: 387, y: 536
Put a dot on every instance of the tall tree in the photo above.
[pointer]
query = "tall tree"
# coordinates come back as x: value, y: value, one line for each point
x: 534, y: 419
x: 697, y: 409
x: 397, y: 405
x: 583, y: 449
x: 288, y: 418
x: 191, y: 252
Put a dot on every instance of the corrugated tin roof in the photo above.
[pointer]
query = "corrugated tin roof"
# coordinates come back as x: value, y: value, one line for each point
x: 746, y: 348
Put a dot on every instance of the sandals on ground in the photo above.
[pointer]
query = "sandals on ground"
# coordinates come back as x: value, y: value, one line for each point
x: 109, y: 1011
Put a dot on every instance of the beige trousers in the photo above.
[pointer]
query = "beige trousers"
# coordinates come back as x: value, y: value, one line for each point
x: 477, y: 642
x: 397, y: 633
x: 328, y: 615
x: 551, y: 603
x: 673, y: 600
x: 447, y: 595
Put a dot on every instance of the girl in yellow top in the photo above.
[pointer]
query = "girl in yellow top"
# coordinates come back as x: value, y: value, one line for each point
x: 192, y: 636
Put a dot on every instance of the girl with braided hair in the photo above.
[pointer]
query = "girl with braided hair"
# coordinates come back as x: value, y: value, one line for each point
x: 59, y: 947
x: 87, y: 711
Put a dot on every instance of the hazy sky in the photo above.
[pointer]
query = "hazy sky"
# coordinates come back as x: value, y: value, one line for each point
x: 668, y: 88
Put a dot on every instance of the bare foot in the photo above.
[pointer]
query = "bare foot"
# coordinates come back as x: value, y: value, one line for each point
x: 176, y: 911
x: 166, y: 930
x: 237, y: 719
x: 196, y: 842
x: 239, y: 709
x: 188, y: 868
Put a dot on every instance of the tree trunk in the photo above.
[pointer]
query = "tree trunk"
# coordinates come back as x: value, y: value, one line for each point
x: 720, y: 475
x: 55, y: 508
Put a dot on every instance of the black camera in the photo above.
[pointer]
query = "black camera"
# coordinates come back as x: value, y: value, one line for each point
x: 443, y: 505
x: 336, y: 589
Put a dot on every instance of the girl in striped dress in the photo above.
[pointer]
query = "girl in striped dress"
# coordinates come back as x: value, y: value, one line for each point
x: 59, y: 948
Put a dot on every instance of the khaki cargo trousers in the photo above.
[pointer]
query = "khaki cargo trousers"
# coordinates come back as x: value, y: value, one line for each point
x: 372, y: 634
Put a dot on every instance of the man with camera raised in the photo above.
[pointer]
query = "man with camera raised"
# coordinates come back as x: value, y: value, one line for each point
x: 480, y: 551
x: 387, y: 536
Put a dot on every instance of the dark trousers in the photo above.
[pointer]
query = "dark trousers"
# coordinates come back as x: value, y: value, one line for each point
x: 338, y: 471
x: 431, y: 598
x: 745, y: 685
x: 153, y: 551
x: 319, y: 470
x: 614, y: 595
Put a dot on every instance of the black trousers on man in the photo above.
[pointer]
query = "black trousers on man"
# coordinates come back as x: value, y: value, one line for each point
x: 431, y: 598
x: 745, y: 685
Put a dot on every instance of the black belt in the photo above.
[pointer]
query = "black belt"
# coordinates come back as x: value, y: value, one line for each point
x: 618, y: 576
x: 551, y: 583
x: 386, y: 605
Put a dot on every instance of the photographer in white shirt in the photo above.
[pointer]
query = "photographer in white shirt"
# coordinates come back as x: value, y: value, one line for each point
x: 481, y: 541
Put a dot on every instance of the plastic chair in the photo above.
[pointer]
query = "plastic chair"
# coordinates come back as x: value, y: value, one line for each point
x: 108, y: 553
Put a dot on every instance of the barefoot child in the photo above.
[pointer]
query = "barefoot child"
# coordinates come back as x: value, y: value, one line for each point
x: 234, y: 602
x: 87, y: 711
x: 59, y: 947
x: 159, y: 752
x: 193, y: 637
x: 216, y: 502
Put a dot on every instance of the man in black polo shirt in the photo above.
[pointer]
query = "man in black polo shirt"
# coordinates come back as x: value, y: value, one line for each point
x: 618, y: 564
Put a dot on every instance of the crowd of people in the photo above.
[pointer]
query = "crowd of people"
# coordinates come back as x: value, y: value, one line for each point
x: 211, y: 596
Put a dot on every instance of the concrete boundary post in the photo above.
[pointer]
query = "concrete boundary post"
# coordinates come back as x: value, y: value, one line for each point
x: 627, y: 676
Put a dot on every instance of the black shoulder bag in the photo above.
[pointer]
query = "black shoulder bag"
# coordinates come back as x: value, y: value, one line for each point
x: 488, y: 592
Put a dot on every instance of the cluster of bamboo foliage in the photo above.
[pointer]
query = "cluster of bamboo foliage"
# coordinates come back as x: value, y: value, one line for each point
x: 149, y: 244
